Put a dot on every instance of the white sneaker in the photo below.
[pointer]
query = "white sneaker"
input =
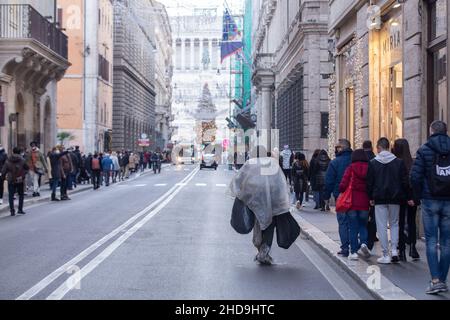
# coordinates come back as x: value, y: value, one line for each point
x: 353, y: 257
x: 364, y: 251
x: 384, y: 260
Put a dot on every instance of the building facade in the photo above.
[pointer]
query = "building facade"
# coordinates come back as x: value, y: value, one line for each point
x: 391, y: 69
x: 33, y: 58
x: 291, y: 70
x: 134, y: 74
x: 163, y: 76
x: 197, y: 34
x: 86, y: 92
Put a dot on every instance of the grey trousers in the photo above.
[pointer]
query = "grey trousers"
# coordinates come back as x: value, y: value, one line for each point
x: 384, y: 214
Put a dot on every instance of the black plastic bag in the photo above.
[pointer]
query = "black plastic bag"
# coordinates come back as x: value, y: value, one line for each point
x: 242, y: 218
x: 288, y: 230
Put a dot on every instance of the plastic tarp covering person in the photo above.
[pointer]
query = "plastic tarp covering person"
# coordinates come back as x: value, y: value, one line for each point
x: 261, y: 185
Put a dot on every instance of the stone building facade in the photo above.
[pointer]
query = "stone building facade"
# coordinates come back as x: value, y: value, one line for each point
x: 134, y: 74
x: 291, y: 68
x: 163, y: 76
x: 86, y: 92
x: 391, y: 69
x: 33, y: 58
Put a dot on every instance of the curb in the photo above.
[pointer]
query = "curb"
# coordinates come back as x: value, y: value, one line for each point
x: 359, y: 270
x: 79, y: 189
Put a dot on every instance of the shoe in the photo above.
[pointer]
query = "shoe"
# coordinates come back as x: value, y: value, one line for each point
x: 13, y: 213
x: 21, y: 212
x: 316, y: 207
x: 435, y: 288
x: 384, y: 260
x: 298, y: 205
x: 343, y: 253
x: 34, y: 195
x: 38, y: 194
x: 263, y: 256
x: 395, y: 259
x: 402, y: 255
x: 364, y: 251
x: 322, y: 209
x: 327, y: 208
x: 353, y: 257
x: 413, y: 253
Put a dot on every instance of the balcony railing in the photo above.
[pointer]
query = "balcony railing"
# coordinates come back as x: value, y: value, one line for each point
x: 24, y: 22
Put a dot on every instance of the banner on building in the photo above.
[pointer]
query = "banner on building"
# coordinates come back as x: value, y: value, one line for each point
x: 232, y: 37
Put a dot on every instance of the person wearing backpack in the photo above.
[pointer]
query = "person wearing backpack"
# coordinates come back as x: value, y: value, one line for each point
x: 299, y: 174
x: 15, y: 170
x: 96, y: 167
x: 430, y: 179
x: 355, y: 178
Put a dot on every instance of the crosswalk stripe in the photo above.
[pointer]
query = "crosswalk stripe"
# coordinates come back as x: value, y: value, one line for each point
x: 221, y: 185
x: 201, y: 184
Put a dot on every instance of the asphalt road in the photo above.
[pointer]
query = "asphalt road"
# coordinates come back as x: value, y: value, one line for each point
x: 158, y: 237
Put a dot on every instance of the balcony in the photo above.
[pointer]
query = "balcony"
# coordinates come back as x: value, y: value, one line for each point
x: 22, y: 22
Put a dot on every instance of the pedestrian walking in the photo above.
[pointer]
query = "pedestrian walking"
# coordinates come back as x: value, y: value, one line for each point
x: 286, y: 160
x: 430, y: 179
x: 107, y: 168
x: 96, y: 167
x: 408, y: 212
x: 66, y: 170
x: 333, y: 178
x: 56, y: 172
x: 3, y: 158
x: 37, y: 167
x: 312, y: 178
x: 387, y: 187
x: 116, y: 166
x: 355, y: 178
x: 14, y: 171
x: 371, y: 224
x: 132, y: 163
x: 72, y: 178
x: 260, y: 186
x: 318, y: 172
x: 126, y: 163
x: 300, y: 173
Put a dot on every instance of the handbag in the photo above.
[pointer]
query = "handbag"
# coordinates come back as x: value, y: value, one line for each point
x: 288, y: 230
x: 242, y: 218
x: 344, y: 201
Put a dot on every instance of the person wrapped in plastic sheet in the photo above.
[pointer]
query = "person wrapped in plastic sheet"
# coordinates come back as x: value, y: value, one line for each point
x: 260, y: 189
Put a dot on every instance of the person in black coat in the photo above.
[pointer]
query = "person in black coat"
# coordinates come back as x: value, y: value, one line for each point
x: 55, y: 163
x: 371, y: 224
x: 300, y: 174
x: 3, y: 158
x: 312, y: 178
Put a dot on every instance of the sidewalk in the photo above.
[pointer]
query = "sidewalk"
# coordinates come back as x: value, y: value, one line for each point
x: 46, y: 193
x: 407, y: 280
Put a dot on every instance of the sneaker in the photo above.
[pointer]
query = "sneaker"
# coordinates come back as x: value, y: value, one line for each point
x: 343, y: 253
x: 435, y: 288
x: 384, y: 260
x: 298, y: 205
x: 395, y: 259
x: 364, y: 251
x: 353, y: 257
x: 21, y: 212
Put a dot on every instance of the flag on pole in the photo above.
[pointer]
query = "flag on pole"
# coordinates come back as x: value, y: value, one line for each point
x: 232, y: 39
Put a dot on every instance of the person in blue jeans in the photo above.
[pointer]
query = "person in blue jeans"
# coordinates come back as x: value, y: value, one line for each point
x: 430, y: 180
x: 355, y: 178
x: 333, y: 178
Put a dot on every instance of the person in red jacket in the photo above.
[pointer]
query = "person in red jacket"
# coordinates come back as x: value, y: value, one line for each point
x: 358, y: 215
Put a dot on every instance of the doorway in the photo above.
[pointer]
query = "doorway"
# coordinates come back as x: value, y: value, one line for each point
x: 391, y: 112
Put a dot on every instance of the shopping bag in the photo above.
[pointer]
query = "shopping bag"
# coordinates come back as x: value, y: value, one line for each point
x: 288, y: 230
x: 242, y: 218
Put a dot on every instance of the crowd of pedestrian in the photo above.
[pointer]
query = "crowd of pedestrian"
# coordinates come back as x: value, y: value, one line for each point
x: 377, y: 197
x: 24, y: 171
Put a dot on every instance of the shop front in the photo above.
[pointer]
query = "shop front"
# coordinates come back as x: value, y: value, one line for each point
x: 386, y: 85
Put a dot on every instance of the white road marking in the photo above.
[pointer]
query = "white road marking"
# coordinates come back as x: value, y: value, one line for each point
x: 200, y: 184
x: 41, y: 285
x: 221, y: 185
x: 180, y: 184
x: 139, y: 185
x: 341, y: 287
x: 63, y: 289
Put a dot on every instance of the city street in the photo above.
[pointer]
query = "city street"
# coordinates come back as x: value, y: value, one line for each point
x: 157, y: 237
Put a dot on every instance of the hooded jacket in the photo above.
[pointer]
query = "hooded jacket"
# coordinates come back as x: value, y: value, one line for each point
x: 15, y: 169
x: 387, y: 180
x: 335, y: 172
x: 356, y: 175
x: 421, y: 169
x: 318, y: 171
